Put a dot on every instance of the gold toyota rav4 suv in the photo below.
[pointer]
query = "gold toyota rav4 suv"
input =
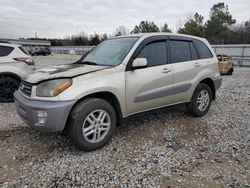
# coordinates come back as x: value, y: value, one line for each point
x: 120, y: 77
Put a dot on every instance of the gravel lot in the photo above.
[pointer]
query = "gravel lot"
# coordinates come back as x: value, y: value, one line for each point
x: 165, y: 148
x: 54, y: 59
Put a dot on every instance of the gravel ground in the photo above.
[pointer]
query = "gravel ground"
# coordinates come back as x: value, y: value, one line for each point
x: 165, y: 148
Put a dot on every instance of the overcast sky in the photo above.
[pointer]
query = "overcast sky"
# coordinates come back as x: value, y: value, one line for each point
x: 60, y: 18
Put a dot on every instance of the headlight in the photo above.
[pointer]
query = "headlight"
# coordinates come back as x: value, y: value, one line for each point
x: 52, y: 88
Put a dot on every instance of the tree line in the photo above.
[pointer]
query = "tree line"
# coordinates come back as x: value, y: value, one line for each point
x: 220, y: 28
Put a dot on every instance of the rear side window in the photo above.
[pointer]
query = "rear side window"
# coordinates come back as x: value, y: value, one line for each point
x: 5, y: 50
x: 203, y: 50
x: 23, y: 50
x: 155, y: 53
x: 179, y: 51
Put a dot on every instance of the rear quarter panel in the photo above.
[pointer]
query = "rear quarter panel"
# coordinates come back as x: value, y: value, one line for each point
x: 8, y: 64
x: 18, y: 68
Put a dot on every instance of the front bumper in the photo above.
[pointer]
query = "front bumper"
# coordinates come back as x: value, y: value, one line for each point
x: 57, y: 112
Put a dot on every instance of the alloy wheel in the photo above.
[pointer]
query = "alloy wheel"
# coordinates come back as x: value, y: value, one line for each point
x: 203, y: 100
x: 96, y: 126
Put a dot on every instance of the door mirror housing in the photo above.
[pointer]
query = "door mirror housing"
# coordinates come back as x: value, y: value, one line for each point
x: 139, y: 63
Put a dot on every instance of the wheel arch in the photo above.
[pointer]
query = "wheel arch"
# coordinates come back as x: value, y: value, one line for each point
x: 107, y: 96
x: 210, y: 83
x: 13, y: 75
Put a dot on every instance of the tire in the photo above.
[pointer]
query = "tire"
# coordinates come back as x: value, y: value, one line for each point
x: 82, y: 118
x: 195, y: 107
x: 230, y: 72
x: 8, y: 85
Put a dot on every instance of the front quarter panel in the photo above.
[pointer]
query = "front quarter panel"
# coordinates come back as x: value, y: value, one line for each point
x: 109, y: 80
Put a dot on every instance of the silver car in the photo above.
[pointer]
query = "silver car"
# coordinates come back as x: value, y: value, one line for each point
x: 120, y: 77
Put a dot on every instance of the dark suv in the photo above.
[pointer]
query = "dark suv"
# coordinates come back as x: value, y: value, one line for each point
x: 41, y: 51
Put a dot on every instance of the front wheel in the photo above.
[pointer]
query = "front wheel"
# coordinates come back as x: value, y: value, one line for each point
x: 8, y: 85
x: 92, y: 124
x: 201, y: 100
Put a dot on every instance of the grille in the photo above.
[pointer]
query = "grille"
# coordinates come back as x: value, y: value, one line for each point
x: 26, y: 88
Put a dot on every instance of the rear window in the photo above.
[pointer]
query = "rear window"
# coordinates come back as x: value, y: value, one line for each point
x: 203, y: 50
x: 23, y: 50
x: 5, y: 50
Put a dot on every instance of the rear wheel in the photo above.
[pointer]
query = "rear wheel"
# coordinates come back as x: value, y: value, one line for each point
x: 230, y: 72
x: 92, y: 124
x: 8, y: 85
x: 201, y: 100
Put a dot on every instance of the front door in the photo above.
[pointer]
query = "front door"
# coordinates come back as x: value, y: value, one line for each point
x: 150, y: 87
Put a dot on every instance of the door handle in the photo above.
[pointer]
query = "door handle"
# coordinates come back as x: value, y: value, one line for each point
x: 197, y: 64
x: 166, y: 70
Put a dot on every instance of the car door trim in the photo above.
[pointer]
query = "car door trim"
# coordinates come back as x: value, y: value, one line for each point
x: 162, y: 92
x: 181, y: 87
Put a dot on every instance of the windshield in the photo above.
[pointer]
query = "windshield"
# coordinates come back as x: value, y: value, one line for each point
x: 110, y: 52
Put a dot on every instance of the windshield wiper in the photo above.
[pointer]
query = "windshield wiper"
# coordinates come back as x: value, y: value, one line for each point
x: 86, y: 62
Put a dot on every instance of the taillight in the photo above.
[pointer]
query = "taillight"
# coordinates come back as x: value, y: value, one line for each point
x: 26, y: 60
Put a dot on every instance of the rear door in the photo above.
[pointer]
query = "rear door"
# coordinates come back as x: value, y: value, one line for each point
x: 188, y: 59
x: 186, y: 67
x: 150, y: 87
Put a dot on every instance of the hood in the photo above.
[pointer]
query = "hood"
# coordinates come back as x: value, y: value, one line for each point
x: 62, y: 71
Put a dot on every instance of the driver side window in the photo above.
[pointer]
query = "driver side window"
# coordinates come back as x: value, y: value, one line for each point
x: 155, y: 53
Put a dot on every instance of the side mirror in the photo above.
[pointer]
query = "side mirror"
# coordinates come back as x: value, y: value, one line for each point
x: 139, y: 63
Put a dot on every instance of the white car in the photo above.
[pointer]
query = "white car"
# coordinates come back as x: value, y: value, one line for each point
x: 15, y: 64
